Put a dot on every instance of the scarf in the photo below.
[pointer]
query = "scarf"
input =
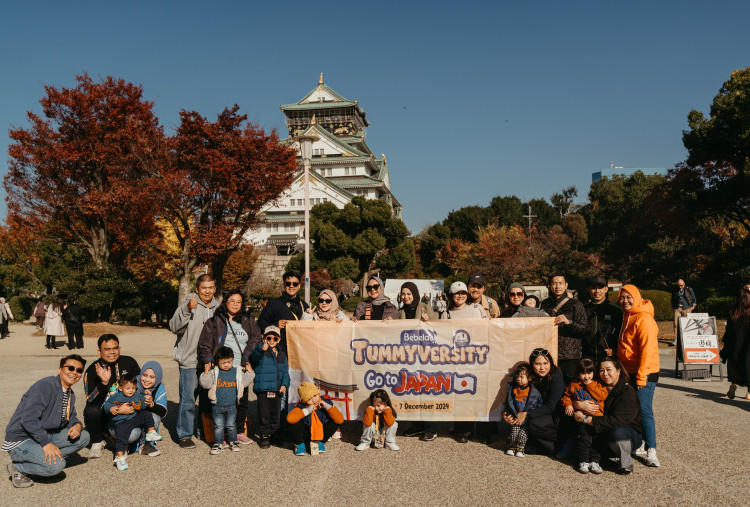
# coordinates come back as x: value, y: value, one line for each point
x: 334, y: 306
x: 410, y: 311
x: 156, y: 368
x: 381, y: 298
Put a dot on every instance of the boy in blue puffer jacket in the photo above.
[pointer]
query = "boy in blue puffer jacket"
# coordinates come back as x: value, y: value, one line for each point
x: 271, y: 382
x: 522, y: 397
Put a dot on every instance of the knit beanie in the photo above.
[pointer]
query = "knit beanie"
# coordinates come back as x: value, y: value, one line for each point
x: 306, y: 391
x: 516, y: 285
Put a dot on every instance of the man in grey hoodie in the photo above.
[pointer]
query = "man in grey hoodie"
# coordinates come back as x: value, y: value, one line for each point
x: 187, y: 323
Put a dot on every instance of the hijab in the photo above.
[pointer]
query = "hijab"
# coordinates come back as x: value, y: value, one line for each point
x: 156, y: 368
x: 381, y: 298
x: 410, y: 311
x: 334, y: 306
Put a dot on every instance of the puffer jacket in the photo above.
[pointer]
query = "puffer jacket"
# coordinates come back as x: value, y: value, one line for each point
x: 271, y: 371
x: 638, y: 347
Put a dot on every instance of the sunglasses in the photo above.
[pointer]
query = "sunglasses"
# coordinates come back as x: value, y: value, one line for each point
x: 291, y: 284
x: 272, y: 338
x: 373, y: 287
x: 539, y: 352
x: 515, y: 294
x: 324, y: 301
x: 73, y: 368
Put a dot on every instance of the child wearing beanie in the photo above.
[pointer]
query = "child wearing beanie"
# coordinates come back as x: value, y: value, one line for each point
x: 313, y: 419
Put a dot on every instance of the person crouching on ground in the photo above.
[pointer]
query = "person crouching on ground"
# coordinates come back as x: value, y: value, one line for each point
x: 44, y: 429
x: 586, y: 389
x: 155, y: 398
x: 313, y: 419
x: 128, y: 409
x: 225, y: 384
x: 271, y: 383
x: 379, y: 423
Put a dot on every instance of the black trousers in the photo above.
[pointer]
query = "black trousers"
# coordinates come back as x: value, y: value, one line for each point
x: 75, y: 335
x: 586, y: 452
x: 142, y: 419
x: 269, y: 414
x: 96, y: 421
x: 300, y: 432
x: 242, y: 407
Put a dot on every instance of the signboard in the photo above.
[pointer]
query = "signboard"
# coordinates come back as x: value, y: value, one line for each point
x: 700, y: 340
x: 447, y: 370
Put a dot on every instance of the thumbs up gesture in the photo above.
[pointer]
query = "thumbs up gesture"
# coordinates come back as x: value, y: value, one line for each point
x: 193, y: 303
x: 424, y: 317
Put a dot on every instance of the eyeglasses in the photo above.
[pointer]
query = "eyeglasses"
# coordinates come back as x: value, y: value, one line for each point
x: 291, y: 284
x: 324, y: 301
x: 272, y: 338
x: 539, y: 352
x: 515, y: 294
x: 373, y: 287
x: 73, y: 368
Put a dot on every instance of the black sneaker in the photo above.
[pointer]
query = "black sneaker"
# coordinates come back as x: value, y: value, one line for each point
x: 414, y: 431
x: 19, y: 480
x: 463, y: 439
x: 187, y: 443
x: 428, y: 436
x: 147, y: 449
x: 625, y: 470
x: 264, y: 443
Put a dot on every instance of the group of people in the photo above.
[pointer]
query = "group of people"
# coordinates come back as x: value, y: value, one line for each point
x: 56, y: 319
x: 596, y: 397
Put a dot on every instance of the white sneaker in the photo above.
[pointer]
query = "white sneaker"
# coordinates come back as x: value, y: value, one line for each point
x: 510, y: 452
x: 153, y: 436
x: 392, y: 446
x: 641, y: 451
x: 595, y: 468
x: 651, y: 459
x: 363, y: 446
x: 96, y: 450
x: 520, y: 454
x: 121, y: 462
x: 583, y: 468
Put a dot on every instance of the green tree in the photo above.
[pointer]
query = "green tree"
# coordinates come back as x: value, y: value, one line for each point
x: 508, y: 210
x: 563, y: 201
x: 465, y: 222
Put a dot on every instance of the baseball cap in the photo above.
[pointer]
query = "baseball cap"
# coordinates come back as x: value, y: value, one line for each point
x: 598, y: 281
x: 458, y: 287
x: 478, y: 279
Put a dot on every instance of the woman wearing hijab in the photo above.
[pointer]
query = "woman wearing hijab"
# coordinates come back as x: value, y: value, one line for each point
x: 638, y: 351
x: 377, y: 306
x: 149, y: 384
x: 413, y: 307
x: 327, y: 308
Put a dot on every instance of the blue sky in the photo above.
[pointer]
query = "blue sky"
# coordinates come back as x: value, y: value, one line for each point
x: 467, y: 100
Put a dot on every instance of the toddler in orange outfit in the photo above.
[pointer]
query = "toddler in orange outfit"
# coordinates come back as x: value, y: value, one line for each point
x: 313, y: 419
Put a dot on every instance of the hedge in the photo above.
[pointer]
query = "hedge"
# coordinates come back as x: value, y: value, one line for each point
x: 22, y: 307
x: 717, y: 306
x: 349, y: 304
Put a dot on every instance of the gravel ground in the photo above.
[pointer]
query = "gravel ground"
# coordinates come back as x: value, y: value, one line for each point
x: 696, y: 423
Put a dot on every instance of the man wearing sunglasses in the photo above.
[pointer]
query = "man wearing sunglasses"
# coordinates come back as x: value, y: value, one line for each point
x: 285, y: 308
x: 44, y: 428
x: 604, y: 319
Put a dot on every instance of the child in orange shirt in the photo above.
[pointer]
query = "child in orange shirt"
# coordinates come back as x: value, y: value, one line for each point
x: 379, y: 422
x: 313, y: 419
x: 586, y: 389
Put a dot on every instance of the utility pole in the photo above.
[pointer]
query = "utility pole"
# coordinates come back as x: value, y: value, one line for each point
x: 530, y: 217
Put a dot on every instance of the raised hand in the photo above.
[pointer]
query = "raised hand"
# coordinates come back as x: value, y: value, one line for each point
x: 193, y: 303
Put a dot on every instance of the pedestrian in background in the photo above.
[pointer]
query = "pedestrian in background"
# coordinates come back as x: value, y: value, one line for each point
x: 53, y: 323
x: 736, y: 350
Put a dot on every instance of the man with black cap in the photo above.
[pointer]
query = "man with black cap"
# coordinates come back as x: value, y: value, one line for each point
x: 605, y: 320
x: 477, y: 285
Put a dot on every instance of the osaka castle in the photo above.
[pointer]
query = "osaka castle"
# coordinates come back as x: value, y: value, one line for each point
x: 342, y: 167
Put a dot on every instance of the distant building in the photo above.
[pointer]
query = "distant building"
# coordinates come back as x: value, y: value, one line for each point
x: 342, y: 167
x: 626, y: 171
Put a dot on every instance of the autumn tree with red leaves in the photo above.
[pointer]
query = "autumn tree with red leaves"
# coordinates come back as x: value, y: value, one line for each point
x: 74, y: 174
x: 213, y: 178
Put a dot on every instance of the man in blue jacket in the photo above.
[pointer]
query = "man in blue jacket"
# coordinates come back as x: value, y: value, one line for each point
x: 44, y: 428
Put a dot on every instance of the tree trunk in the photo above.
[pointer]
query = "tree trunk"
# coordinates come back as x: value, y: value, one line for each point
x: 217, y: 270
x: 184, y: 288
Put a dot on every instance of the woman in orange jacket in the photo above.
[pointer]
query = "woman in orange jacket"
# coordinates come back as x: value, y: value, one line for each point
x: 638, y: 351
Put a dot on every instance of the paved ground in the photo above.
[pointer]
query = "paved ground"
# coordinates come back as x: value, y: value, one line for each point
x: 701, y: 446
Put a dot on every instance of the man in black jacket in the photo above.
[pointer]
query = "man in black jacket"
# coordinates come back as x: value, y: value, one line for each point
x: 570, y: 317
x: 287, y: 307
x: 99, y: 380
x: 73, y: 317
x: 604, y: 321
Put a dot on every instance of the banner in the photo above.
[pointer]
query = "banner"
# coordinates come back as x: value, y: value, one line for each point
x: 447, y: 370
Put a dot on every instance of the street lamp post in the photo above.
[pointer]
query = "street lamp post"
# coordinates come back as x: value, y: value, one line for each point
x: 305, y: 146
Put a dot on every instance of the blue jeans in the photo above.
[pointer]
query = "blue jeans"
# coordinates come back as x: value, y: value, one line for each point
x: 646, y: 399
x: 186, y: 408
x: 622, y: 441
x: 29, y: 456
x: 224, y: 418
